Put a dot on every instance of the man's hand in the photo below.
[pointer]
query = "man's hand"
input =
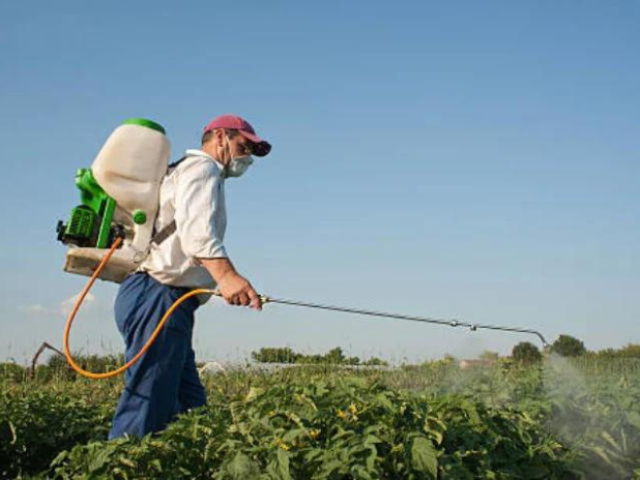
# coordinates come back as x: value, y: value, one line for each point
x: 235, y: 289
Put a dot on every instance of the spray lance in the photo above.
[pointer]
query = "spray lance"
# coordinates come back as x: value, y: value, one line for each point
x: 451, y: 323
x: 110, y: 232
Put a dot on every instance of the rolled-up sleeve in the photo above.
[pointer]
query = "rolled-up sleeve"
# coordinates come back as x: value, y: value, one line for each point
x: 200, y: 208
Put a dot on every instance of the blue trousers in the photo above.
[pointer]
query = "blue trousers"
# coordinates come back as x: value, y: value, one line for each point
x: 164, y: 382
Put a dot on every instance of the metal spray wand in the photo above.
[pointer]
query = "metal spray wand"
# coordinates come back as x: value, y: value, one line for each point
x: 451, y: 323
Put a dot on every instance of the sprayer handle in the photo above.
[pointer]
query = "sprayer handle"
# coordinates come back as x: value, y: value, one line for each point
x: 263, y: 298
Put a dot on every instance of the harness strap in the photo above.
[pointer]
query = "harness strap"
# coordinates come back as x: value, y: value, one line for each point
x: 165, y: 233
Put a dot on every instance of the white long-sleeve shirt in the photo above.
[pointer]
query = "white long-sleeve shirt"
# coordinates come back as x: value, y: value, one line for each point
x: 192, y: 194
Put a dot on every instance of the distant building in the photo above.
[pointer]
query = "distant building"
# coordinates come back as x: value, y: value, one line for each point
x: 475, y: 363
x: 210, y: 368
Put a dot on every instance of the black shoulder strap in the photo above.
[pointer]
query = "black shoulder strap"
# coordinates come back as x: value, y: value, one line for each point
x: 164, y: 233
x: 176, y: 163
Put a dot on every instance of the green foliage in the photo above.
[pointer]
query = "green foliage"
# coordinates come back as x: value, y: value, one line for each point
x: 598, y: 415
x: 275, y: 355
x: 565, y: 418
x: 13, y: 372
x: 630, y: 351
x: 36, y: 424
x: 568, y: 346
x: 489, y: 356
x: 57, y: 368
x: 375, y: 362
x: 526, y: 353
x: 347, y: 428
x: 334, y: 356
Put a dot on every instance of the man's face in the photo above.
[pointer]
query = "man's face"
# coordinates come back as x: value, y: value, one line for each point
x: 224, y: 146
x: 240, y: 146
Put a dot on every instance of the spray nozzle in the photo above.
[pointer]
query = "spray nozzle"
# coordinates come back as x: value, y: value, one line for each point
x: 118, y: 232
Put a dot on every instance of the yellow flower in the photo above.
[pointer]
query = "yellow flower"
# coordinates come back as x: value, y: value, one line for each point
x: 283, y: 445
x: 397, y: 448
x: 341, y: 414
x: 314, y: 432
x: 353, y: 409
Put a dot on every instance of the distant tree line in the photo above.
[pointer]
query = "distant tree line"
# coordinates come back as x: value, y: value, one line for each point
x: 57, y: 368
x: 334, y: 356
x: 568, y: 346
x: 525, y: 353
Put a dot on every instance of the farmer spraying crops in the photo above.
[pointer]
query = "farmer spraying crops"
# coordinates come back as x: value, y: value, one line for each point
x: 187, y: 252
x: 158, y: 230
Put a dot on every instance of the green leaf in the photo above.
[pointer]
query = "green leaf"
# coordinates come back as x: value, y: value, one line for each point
x: 601, y: 453
x: 435, y: 428
x: 283, y: 464
x: 293, y: 434
x: 254, y: 392
x: 424, y: 457
x: 360, y: 473
x: 371, y: 458
x: 384, y: 401
x: 331, y: 466
x: 157, y: 464
x: 97, y: 462
x: 127, y: 462
x: 634, y: 419
x: 242, y: 467
x: 371, y: 440
x: 607, y: 436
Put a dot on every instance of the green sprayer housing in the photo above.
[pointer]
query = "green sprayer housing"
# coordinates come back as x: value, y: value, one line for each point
x: 89, y: 224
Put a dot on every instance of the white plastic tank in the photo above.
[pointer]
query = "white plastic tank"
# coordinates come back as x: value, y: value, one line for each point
x: 132, y: 163
x: 130, y: 168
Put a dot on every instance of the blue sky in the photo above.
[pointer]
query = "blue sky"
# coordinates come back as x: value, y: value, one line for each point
x: 472, y: 160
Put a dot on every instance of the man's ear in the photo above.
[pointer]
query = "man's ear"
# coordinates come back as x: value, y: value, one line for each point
x: 219, y: 134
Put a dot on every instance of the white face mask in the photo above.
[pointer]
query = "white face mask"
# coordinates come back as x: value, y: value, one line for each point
x: 237, y: 166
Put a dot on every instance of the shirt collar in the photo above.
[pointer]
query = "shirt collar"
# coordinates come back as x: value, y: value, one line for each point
x: 194, y: 152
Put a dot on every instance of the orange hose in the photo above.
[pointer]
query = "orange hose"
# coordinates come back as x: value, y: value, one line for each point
x: 156, y: 332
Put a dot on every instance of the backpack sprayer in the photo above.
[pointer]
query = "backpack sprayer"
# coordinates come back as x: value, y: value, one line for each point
x: 110, y: 232
x: 119, y: 199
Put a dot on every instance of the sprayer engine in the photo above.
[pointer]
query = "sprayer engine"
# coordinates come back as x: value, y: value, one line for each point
x: 90, y: 223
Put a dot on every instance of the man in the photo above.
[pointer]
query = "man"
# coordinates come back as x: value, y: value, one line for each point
x: 187, y: 252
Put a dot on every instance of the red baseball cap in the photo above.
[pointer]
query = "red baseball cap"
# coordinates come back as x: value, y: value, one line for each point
x: 260, y: 147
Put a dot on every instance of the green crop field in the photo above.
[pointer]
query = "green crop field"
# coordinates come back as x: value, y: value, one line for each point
x: 562, y: 418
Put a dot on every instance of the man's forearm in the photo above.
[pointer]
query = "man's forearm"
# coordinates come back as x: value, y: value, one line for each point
x: 234, y: 288
x: 218, y: 268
